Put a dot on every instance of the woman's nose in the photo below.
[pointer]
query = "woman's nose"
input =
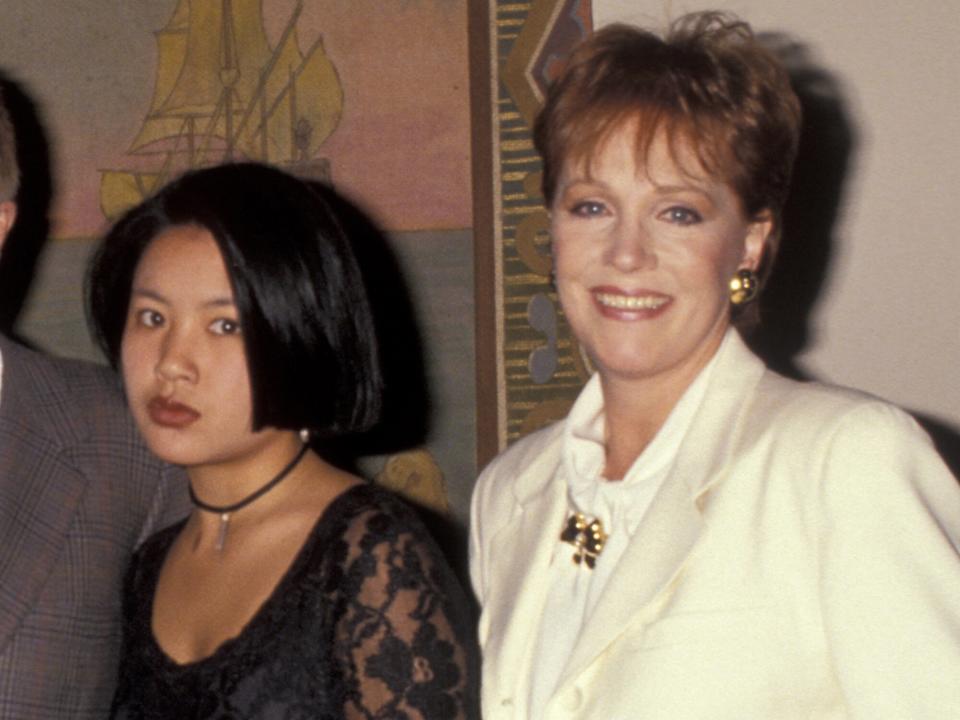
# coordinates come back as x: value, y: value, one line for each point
x: 176, y: 359
x: 631, y: 248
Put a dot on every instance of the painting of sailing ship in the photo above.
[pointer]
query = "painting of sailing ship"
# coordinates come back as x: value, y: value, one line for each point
x: 222, y: 92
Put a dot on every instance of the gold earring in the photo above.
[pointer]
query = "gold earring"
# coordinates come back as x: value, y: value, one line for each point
x: 744, y: 286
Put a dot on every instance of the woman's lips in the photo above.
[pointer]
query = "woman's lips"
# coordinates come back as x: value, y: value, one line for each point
x: 168, y: 413
x: 629, y: 305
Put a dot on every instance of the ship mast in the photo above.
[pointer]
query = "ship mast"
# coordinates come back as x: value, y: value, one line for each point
x: 260, y: 92
x: 229, y: 72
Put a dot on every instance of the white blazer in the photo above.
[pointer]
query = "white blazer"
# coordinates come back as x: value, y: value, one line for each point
x: 800, y: 561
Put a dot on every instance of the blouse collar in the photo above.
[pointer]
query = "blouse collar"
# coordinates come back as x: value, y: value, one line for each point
x: 583, y: 445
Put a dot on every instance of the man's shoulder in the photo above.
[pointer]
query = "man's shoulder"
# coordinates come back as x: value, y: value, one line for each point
x: 67, y: 396
x: 75, y: 409
x: 43, y: 373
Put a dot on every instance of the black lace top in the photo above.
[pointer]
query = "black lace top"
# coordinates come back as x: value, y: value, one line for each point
x: 368, y: 622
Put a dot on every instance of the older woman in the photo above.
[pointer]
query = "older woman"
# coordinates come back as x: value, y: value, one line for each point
x: 701, y: 538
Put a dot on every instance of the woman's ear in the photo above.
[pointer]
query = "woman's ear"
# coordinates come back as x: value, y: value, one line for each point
x: 755, y: 242
x: 8, y: 215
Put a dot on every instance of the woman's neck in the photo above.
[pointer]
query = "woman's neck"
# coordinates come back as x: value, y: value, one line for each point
x: 635, y: 409
x: 632, y: 418
x: 226, y: 481
x: 309, y: 487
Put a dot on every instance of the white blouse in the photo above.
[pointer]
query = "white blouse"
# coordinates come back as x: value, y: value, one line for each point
x: 620, y: 507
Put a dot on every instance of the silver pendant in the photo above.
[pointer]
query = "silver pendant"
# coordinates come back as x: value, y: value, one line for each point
x: 222, y: 532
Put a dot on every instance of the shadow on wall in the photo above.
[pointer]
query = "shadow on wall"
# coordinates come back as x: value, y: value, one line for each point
x: 26, y: 241
x: 406, y: 411
x: 947, y: 439
x: 406, y: 414
x: 827, y: 145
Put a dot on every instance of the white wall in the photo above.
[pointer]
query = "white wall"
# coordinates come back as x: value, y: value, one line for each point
x: 888, y: 318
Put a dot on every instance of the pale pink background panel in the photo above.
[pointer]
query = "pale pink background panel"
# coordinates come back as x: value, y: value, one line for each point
x: 401, y: 147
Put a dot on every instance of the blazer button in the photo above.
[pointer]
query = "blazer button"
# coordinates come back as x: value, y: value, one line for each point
x: 506, y: 702
x: 574, y: 699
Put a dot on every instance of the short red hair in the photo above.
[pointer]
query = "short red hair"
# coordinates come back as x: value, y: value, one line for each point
x: 707, y: 80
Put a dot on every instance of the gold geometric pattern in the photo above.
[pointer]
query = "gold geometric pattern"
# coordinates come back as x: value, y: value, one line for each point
x: 540, y: 369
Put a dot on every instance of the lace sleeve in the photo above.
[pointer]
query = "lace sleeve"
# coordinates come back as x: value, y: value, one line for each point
x: 403, y: 639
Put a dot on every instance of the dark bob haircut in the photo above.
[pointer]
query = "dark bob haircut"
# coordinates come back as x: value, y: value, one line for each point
x: 308, y: 331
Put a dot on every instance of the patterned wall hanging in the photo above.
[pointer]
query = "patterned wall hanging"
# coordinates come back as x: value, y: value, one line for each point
x: 528, y: 369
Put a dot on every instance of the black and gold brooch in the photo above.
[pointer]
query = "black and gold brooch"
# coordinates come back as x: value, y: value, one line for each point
x: 586, y: 536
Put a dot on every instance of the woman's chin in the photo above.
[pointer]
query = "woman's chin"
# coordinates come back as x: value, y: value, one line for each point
x: 175, y: 451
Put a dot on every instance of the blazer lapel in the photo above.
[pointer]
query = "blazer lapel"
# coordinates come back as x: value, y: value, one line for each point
x: 656, y: 555
x: 39, y: 492
x: 523, y: 548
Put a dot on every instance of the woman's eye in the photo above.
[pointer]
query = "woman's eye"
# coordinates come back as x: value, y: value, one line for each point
x: 149, y: 318
x: 225, y: 326
x: 680, y: 215
x: 588, y: 208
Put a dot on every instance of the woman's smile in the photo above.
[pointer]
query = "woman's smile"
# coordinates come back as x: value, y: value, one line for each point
x: 645, y: 244
x: 630, y: 305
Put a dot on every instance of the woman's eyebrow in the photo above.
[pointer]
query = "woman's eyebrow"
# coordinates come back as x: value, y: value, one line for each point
x: 150, y: 294
x: 224, y: 301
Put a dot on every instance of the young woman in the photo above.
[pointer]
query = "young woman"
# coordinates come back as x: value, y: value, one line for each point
x: 233, y: 305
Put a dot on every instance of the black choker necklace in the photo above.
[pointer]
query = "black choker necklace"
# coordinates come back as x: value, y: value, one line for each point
x: 224, y: 510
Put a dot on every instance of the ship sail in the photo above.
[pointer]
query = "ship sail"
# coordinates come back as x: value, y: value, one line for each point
x: 125, y: 189
x: 222, y: 92
x: 171, y: 53
x: 299, y: 108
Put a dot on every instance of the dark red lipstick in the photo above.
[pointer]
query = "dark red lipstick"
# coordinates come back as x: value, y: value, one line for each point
x: 171, y: 414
